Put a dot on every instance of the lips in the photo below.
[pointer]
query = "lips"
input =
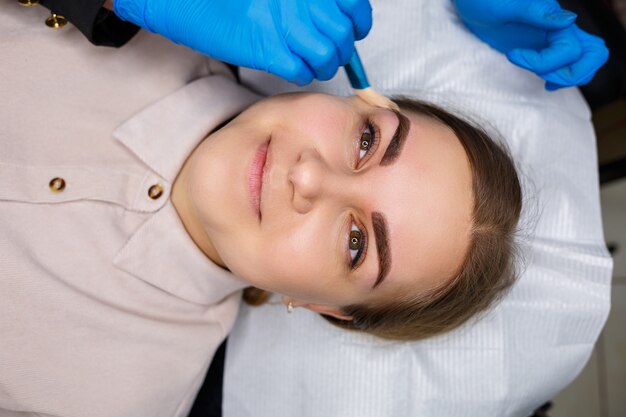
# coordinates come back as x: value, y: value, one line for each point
x: 255, y: 177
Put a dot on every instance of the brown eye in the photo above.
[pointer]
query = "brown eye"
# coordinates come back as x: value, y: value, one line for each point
x: 356, y: 244
x: 355, y: 240
x: 367, y: 141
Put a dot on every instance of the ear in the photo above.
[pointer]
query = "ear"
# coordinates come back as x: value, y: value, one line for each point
x: 318, y: 308
x: 328, y: 311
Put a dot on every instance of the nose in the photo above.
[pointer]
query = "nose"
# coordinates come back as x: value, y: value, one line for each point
x: 307, y: 176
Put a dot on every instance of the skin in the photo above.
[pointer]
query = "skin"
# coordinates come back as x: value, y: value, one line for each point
x: 313, y: 189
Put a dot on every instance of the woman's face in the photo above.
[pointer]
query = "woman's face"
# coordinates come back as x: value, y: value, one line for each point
x: 330, y: 201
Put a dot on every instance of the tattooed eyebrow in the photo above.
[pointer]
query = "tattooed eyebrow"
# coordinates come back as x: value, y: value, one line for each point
x: 397, y: 141
x: 381, y: 235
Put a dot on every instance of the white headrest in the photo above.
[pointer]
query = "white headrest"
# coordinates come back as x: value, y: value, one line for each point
x: 526, y: 349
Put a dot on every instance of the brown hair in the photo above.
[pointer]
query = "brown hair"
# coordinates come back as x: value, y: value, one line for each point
x: 489, y: 267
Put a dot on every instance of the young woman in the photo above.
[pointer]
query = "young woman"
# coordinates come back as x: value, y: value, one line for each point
x: 395, y: 223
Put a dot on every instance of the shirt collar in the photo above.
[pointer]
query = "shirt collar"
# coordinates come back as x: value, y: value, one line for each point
x: 162, y: 136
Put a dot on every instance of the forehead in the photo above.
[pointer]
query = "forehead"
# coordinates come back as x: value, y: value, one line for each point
x: 427, y: 198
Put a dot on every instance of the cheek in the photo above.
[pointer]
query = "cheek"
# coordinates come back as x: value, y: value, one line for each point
x: 297, y: 252
x: 295, y: 256
x: 319, y: 120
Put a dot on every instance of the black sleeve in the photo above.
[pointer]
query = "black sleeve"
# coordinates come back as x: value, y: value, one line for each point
x: 99, y: 25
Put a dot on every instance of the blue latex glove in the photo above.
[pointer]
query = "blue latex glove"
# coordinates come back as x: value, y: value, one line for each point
x: 537, y: 35
x: 297, y: 40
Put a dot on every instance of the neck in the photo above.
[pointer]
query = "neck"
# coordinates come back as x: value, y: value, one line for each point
x: 183, y: 205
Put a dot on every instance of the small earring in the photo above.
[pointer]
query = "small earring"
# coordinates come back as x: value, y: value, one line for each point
x: 289, y: 307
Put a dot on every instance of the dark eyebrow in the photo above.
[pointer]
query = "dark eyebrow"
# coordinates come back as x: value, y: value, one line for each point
x: 382, y: 246
x: 397, y: 141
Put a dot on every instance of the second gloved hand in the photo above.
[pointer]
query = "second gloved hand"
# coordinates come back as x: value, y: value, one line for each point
x: 298, y: 40
x: 537, y: 35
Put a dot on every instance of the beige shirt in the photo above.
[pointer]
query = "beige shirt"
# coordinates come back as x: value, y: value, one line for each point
x: 107, y: 307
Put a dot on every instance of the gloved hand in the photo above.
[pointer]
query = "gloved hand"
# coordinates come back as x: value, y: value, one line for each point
x: 537, y: 35
x: 297, y: 40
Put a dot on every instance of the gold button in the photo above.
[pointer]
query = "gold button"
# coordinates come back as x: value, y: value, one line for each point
x: 155, y: 191
x: 57, y: 184
x: 28, y: 3
x: 56, y: 21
